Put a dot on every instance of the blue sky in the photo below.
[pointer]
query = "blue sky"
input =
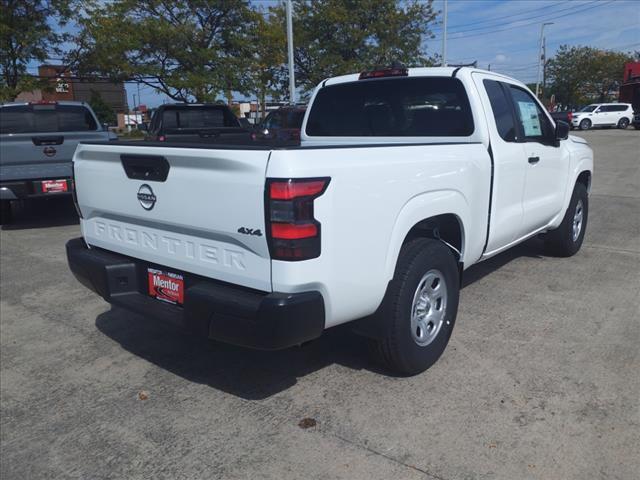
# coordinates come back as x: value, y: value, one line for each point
x: 505, y: 33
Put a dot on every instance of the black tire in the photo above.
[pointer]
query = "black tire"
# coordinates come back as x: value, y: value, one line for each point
x: 623, y: 123
x: 585, y: 124
x: 561, y: 241
x: 5, y: 212
x: 397, y: 350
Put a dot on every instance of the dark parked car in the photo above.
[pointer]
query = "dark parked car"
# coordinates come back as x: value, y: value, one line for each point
x: 191, y: 122
x: 281, y: 125
x: 565, y: 116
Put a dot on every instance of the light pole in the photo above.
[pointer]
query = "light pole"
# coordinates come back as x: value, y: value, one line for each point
x: 292, y: 80
x: 540, y: 57
x: 444, y: 35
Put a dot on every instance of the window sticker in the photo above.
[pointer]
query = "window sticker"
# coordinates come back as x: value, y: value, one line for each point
x: 530, y: 119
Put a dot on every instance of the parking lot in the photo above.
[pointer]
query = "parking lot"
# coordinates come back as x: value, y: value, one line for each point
x: 541, y: 378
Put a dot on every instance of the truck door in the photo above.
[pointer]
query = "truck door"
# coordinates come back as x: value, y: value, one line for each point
x: 547, y: 165
x: 509, y: 163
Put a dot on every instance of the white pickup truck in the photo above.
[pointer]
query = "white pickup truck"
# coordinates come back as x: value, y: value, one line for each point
x: 403, y: 179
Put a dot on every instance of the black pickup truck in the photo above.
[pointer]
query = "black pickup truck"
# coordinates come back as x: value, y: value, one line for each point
x: 196, y: 122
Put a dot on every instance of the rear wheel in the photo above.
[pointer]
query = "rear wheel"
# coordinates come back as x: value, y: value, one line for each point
x: 585, y: 124
x: 5, y: 212
x: 566, y: 240
x: 419, y: 308
x: 623, y: 123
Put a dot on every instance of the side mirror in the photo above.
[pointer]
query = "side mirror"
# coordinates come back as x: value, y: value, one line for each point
x: 562, y: 130
x: 105, y: 127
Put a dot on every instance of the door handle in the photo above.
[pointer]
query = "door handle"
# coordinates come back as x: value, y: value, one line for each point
x: 48, y: 140
x: 145, y: 167
x: 534, y: 160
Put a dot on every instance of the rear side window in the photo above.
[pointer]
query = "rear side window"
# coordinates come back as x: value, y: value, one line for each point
x: 618, y: 108
x: 502, y: 112
x: 395, y: 107
x: 197, y: 118
x: 46, y: 119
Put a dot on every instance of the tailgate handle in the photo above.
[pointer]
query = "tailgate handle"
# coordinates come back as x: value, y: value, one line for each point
x: 145, y: 167
x: 49, y: 140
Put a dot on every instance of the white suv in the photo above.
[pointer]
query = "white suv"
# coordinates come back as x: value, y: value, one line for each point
x: 603, y: 115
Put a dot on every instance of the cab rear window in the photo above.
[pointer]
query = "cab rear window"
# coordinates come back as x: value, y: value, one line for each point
x: 394, y: 107
x: 46, y: 118
x: 176, y: 119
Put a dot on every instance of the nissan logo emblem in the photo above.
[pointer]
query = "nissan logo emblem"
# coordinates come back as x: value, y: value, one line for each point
x: 49, y: 151
x: 146, y: 197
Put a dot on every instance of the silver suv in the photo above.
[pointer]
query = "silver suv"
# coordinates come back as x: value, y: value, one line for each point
x: 37, y: 142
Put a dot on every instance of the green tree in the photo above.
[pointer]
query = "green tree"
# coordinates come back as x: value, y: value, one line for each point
x: 102, y: 109
x: 582, y: 74
x: 29, y: 31
x: 335, y: 37
x: 188, y: 50
x: 269, y: 55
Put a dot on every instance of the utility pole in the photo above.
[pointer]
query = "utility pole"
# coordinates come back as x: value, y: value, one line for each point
x: 540, y: 57
x: 444, y: 35
x: 544, y: 65
x: 292, y: 80
x: 489, y: 68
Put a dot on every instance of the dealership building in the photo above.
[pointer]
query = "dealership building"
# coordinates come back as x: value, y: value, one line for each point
x: 66, y: 86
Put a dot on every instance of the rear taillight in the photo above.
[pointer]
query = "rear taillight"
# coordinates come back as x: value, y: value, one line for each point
x: 161, y: 138
x: 570, y: 116
x: 292, y: 231
x: 73, y: 189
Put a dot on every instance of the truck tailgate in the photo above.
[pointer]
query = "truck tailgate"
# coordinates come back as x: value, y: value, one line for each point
x: 27, y: 156
x: 188, y: 221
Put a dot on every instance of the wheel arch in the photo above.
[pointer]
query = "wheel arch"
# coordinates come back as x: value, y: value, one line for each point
x: 584, y: 177
x: 438, y: 215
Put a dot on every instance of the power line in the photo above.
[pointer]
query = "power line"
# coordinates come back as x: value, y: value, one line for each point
x: 491, y: 20
x: 523, y: 19
x: 590, y: 7
x: 538, y: 17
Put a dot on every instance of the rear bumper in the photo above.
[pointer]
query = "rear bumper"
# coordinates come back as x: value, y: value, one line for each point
x: 232, y: 314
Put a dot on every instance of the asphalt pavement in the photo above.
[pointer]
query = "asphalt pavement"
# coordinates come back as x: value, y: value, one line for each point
x: 541, y: 378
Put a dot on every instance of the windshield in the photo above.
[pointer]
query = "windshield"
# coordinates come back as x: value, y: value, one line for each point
x: 589, y: 108
x: 46, y: 118
x: 402, y: 107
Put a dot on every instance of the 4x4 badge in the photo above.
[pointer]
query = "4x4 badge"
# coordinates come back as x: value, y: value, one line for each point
x: 250, y: 231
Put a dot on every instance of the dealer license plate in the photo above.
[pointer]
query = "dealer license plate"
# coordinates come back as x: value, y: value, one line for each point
x: 54, y: 186
x: 166, y: 286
